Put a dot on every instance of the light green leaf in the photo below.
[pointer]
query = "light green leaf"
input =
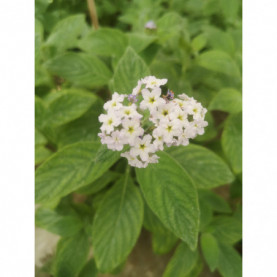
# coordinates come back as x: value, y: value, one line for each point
x: 230, y: 9
x: 41, y: 154
x: 85, y: 128
x: 226, y: 229
x: 220, y: 62
x: 210, y: 250
x: 66, y: 32
x: 182, y: 262
x: 232, y: 141
x: 206, y: 168
x: 117, y: 224
x: 129, y: 70
x: 72, y: 253
x: 172, y: 196
x: 206, y: 214
x: 38, y: 41
x: 39, y: 138
x: 105, y: 42
x: 229, y: 263
x: 80, y: 69
x: 89, y: 269
x: 40, y: 110
x: 139, y: 41
x: 63, y: 225
x: 68, y: 105
x: 100, y: 183
x: 72, y: 167
x: 217, y: 203
x: 227, y: 100
x: 198, y: 43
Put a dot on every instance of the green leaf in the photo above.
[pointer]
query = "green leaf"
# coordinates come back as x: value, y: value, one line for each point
x: 40, y: 110
x: 172, y: 196
x: 210, y: 250
x: 100, y: 183
x: 226, y: 229
x: 227, y: 100
x: 206, y: 214
x: 38, y: 41
x: 229, y: 263
x: 232, y: 141
x: 68, y: 105
x: 89, y: 269
x: 129, y: 70
x: 162, y: 239
x: 140, y: 41
x: 72, y: 167
x: 39, y: 138
x: 182, y: 262
x: 41, y: 154
x: 63, y: 225
x: 66, y: 32
x: 220, y: 62
x: 206, y: 168
x: 217, y: 203
x: 105, y: 42
x: 230, y: 9
x: 198, y: 43
x: 117, y: 224
x: 80, y: 69
x: 85, y: 128
x: 72, y: 253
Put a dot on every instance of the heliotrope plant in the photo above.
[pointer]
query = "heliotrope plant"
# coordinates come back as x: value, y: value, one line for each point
x: 146, y: 121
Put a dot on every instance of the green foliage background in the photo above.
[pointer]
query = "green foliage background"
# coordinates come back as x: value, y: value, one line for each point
x: 190, y: 201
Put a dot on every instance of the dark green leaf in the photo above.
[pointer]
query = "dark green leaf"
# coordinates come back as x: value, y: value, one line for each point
x: 89, y: 270
x: 140, y: 41
x: 129, y: 70
x: 41, y: 153
x: 117, y: 224
x: 172, y: 196
x: 206, y: 168
x: 72, y: 167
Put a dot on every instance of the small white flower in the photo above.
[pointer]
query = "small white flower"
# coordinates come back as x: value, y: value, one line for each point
x: 116, y: 141
x: 164, y: 111
x: 130, y: 112
x: 137, y: 89
x: 109, y: 121
x: 159, y: 141
x: 170, y: 129
x: 143, y: 148
x: 115, y: 103
x: 150, y: 25
x: 133, y: 160
x: 132, y: 130
x: 151, y: 100
x: 153, y: 82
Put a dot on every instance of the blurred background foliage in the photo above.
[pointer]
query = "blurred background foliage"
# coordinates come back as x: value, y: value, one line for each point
x: 197, y: 46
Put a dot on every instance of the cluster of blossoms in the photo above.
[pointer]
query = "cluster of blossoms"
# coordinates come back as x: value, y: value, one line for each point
x: 146, y: 121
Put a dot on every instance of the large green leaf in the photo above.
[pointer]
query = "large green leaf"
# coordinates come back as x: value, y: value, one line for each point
x: 66, y: 32
x: 72, y: 253
x: 229, y: 262
x: 227, y: 100
x: 72, y: 167
x: 220, y: 62
x: 230, y: 9
x: 172, y: 196
x: 80, y: 69
x: 139, y: 41
x: 206, y: 168
x: 210, y: 250
x: 89, y: 269
x: 105, y: 42
x: 129, y: 70
x: 63, y: 225
x: 117, y: 224
x: 182, y: 262
x: 69, y: 105
x: 232, y: 141
x: 41, y: 153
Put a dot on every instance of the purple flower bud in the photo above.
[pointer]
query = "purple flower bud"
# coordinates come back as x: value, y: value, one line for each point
x: 132, y: 98
x: 150, y: 25
x: 170, y: 95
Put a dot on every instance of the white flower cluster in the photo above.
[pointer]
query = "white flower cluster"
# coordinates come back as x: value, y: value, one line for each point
x: 145, y: 121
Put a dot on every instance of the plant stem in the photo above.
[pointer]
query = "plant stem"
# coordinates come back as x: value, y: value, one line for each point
x: 93, y: 13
